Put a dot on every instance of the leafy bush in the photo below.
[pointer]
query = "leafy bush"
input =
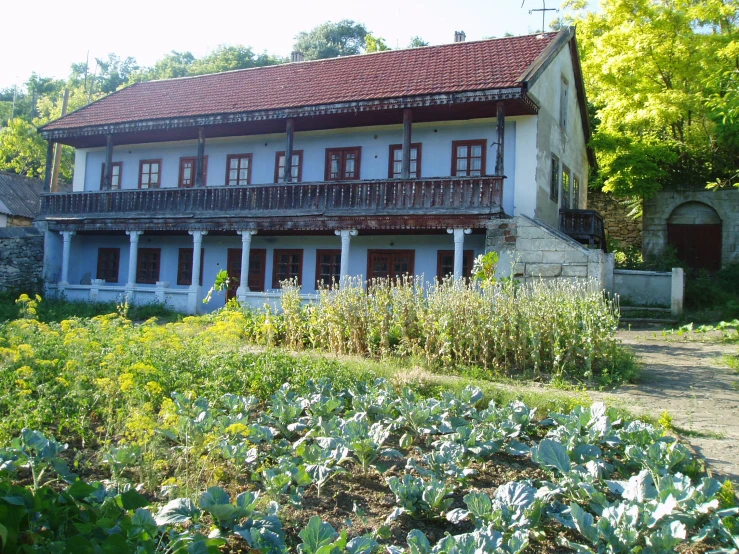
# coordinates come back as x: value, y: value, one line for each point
x: 601, y: 483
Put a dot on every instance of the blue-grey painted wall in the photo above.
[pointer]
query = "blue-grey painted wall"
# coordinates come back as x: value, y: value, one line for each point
x: 436, y: 140
x: 84, y: 248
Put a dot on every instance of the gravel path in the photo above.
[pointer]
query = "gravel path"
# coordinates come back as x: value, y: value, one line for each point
x: 691, y: 381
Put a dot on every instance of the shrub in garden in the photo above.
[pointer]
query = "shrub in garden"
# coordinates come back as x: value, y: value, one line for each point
x: 559, y: 328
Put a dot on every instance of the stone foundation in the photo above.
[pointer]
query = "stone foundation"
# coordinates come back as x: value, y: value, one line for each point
x: 21, y: 258
x: 620, y: 226
x: 530, y: 249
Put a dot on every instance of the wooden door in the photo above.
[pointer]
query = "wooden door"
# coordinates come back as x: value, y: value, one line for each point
x: 257, y: 262
x: 698, y: 246
x: 390, y: 263
x: 233, y: 267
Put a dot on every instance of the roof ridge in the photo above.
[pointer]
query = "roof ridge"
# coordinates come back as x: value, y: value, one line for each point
x: 334, y: 59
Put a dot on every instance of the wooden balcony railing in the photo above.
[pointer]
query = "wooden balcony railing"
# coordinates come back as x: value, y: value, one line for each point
x: 585, y: 226
x: 446, y: 195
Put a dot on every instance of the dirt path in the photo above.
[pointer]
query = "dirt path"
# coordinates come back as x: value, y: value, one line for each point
x: 690, y: 380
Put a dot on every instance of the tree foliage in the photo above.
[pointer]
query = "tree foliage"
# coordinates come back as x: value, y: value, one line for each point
x: 417, y: 42
x: 330, y: 40
x: 662, y: 78
x: 23, y: 151
x: 374, y: 44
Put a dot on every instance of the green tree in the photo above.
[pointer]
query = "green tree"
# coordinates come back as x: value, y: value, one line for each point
x: 330, y: 40
x: 22, y: 150
x: 659, y: 75
x: 374, y: 44
x: 228, y: 58
x: 417, y: 42
x: 114, y: 73
x: 174, y: 64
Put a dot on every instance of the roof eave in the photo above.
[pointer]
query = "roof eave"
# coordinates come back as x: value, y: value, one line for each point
x: 516, y: 92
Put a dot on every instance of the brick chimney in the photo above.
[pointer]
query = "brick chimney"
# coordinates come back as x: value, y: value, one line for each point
x: 459, y: 36
x: 296, y: 56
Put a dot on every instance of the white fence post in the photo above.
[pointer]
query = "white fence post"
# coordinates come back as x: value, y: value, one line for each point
x: 678, y: 291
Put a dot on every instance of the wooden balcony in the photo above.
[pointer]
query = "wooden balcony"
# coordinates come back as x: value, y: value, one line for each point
x: 585, y: 226
x: 279, y: 204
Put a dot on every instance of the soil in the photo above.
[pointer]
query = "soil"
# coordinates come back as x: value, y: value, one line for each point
x: 691, y: 381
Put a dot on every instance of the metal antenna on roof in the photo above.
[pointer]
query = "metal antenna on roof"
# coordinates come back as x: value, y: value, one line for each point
x: 543, y: 11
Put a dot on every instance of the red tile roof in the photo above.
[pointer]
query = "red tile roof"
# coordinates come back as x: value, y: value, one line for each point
x: 458, y: 67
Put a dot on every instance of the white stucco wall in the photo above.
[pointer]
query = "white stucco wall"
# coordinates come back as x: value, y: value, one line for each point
x: 3, y: 220
x: 80, y: 169
x: 436, y: 154
x: 568, y: 143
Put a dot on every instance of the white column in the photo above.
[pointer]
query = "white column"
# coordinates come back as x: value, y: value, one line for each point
x: 193, y: 295
x: 346, y: 238
x: 246, y: 236
x: 67, y: 238
x: 133, y: 255
x: 458, y: 249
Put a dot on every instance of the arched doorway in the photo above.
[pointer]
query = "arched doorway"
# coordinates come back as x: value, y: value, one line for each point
x: 694, y: 230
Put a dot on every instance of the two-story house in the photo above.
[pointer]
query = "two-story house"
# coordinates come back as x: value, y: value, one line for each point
x: 375, y: 165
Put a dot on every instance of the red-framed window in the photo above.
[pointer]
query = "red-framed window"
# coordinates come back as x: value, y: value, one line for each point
x: 445, y: 263
x: 390, y: 263
x: 395, y: 168
x: 109, y: 260
x: 288, y: 264
x: 238, y: 169
x: 148, y: 265
x: 115, y: 177
x: 184, y: 266
x: 187, y: 171
x: 150, y: 174
x: 296, y: 170
x: 328, y: 266
x: 468, y: 158
x: 342, y: 164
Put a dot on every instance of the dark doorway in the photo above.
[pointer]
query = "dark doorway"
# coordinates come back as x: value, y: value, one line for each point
x: 257, y: 261
x: 694, y: 230
x: 389, y: 263
x: 698, y: 246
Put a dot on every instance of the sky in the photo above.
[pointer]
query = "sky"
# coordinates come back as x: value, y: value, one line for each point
x: 47, y: 37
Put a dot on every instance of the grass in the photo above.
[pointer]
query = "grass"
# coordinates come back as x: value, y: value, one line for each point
x: 56, y: 310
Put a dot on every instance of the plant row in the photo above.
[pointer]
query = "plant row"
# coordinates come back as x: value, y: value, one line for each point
x: 607, y: 485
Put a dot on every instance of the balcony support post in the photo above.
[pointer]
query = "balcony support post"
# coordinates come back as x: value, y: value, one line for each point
x: 66, y: 247
x: 199, y: 163
x: 49, y: 163
x: 458, y: 250
x: 133, y: 256
x: 193, y: 295
x: 289, y: 132
x: 108, y: 178
x: 405, y: 171
x: 346, y: 238
x: 246, y: 236
x: 500, y: 151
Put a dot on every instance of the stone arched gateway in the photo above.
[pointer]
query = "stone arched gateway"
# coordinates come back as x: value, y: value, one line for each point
x: 694, y: 229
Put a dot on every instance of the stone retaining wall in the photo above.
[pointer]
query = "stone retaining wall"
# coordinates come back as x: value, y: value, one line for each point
x: 620, y: 226
x: 21, y: 258
x: 530, y: 249
x: 657, y: 211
